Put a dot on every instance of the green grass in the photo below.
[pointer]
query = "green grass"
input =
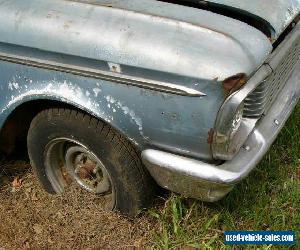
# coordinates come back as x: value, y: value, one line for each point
x: 269, y: 199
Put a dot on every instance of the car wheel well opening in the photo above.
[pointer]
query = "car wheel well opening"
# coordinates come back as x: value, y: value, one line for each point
x: 13, y: 134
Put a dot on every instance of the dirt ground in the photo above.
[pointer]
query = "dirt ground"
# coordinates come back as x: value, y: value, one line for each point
x: 32, y: 219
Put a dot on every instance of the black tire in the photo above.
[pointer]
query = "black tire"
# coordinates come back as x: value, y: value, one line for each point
x: 132, y: 184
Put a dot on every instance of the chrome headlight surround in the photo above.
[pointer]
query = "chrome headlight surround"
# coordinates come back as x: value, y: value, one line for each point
x: 223, y: 146
x: 231, y: 128
x: 237, y: 119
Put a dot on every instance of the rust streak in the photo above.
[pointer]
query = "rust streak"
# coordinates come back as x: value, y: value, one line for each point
x: 234, y: 83
x: 210, y: 136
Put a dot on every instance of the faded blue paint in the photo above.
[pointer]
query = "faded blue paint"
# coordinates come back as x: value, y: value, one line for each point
x: 145, y: 34
x: 279, y: 13
x: 145, y: 117
x: 150, y: 39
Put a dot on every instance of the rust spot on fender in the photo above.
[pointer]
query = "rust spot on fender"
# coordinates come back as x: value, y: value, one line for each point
x: 210, y: 136
x: 234, y: 83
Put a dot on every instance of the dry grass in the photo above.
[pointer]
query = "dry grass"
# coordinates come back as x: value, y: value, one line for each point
x: 32, y: 219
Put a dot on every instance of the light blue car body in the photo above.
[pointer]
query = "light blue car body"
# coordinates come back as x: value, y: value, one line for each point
x: 152, y: 70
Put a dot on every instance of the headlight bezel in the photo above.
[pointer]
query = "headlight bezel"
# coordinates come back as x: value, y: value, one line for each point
x: 226, y: 141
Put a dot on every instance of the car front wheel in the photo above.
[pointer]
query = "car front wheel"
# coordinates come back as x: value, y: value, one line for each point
x: 66, y: 146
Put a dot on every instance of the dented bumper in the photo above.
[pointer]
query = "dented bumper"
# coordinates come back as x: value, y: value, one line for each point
x: 209, y: 182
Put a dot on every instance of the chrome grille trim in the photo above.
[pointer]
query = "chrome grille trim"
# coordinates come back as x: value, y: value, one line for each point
x: 260, y: 100
x: 255, y: 95
x: 254, y: 104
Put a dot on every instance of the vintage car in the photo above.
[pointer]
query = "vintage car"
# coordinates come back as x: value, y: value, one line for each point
x: 119, y: 95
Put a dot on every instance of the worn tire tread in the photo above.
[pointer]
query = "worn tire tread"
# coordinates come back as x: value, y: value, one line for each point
x: 142, y: 185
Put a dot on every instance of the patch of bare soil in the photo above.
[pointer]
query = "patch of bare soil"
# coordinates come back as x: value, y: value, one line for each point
x: 32, y: 219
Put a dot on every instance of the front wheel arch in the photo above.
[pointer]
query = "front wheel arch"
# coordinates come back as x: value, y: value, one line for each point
x: 15, y: 128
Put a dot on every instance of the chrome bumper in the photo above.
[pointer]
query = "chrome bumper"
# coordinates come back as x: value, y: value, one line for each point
x: 208, y: 182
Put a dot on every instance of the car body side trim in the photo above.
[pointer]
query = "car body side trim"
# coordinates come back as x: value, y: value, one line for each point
x: 104, y: 75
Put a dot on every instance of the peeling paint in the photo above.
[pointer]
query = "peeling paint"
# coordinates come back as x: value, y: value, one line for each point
x: 96, y: 91
x: 127, y: 111
x: 65, y: 90
x: 69, y: 91
x: 114, y: 67
x: 13, y: 85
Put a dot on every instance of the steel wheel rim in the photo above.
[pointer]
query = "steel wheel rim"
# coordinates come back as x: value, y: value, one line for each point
x: 61, y: 158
